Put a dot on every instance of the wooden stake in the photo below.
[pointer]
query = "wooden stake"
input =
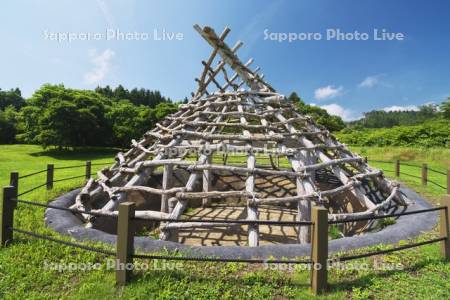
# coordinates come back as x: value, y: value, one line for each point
x: 397, y: 168
x: 125, y: 241
x: 319, y: 250
x: 6, y: 234
x: 50, y: 176
x: 424, y: 174
x: 14, y: 181
x: 445, y: 227
x: 448, y: 182
x: 88, y: 169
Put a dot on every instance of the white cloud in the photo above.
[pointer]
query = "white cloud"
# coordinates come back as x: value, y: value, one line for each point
x: 402, y: 108
x: 337, y: 110
x: 102, y: 65
x: 370, y: 81
x: 106, y: 12
x: 327, y: 92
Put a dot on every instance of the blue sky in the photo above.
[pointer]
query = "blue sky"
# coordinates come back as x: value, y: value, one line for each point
x: 345, y: 77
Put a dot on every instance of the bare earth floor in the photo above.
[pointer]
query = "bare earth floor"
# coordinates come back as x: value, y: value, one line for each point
x: 237, y: 235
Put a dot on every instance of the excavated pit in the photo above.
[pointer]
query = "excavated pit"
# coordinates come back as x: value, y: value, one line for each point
x: 235, y: 209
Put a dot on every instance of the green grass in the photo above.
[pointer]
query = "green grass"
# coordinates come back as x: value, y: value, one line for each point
x: 23, y: 274
x: 436, y: 158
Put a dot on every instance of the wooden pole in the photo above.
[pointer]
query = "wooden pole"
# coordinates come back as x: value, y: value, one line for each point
x: 88, y: 169
x: 166, y: 184
x: 445, y: 227
x: 319, y: 250
x: 50, y: 176
x: 14, y: 181
x: 397, y: 168
x: 448, y: 182
x: 206, y: 182
x: 424, y: 174
x: 125, y: 241
x: 6, y: 234
x: 366, y: 159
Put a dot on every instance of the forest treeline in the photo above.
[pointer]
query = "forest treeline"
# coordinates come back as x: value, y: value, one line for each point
x: 429, y: 126
x: 56, y: 116
x: 68, y: 118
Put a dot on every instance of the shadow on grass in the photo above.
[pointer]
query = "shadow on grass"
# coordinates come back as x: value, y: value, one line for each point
x: 78, y: 153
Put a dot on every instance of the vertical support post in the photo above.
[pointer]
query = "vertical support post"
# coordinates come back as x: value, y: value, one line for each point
x: 397, y: 168
x: 88, y: 169
x: 448, y: 182
x: 278, y: 161
x: 319, y: 250
x: 366, y: 159
x: 445, y: 227
x: 166, y: 184
x: 14, y: 181
x: 125, y: 240
x: 6, y: 234
x: 424, y: 174
x: 206, y: 182
x: 50, y: 176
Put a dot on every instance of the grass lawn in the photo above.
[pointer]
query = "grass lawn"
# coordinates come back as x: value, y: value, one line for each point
x: 24, y: 271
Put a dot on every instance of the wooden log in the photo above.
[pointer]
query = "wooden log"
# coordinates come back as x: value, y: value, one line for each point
x: 206, y: 180
x: 50, y: 176
x: 166, y: 184
x: 14, y: 181
x: 88, y: 170
x: 125, y: 242
x: 7, y: 221
x: 319, y: 250
x: 445, y: 227
x: 368, y: 212
x: 448, y: 182
x: 424, y: 174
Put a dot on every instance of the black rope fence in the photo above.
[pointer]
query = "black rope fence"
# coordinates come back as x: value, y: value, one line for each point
x: 32, y: 174
x: 59, y: 241
x: 375, y: 217
x: 32, y: 189
x: 69, y: 167
x: 226, y: 221
x: 437, y: 171
x: 69, y: 178
x: 379, y: 252
x: 412, y: 175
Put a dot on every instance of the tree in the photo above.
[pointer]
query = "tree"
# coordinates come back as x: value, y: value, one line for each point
x: 56, y: 116
x: 445, y: 108
x: 13, y: 97
x: 8, y: 123
x: 320, y: 115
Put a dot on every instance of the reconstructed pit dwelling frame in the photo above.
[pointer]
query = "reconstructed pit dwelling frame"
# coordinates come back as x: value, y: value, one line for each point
x: 290, y: 161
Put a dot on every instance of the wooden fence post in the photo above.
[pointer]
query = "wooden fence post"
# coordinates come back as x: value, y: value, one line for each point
x: 319, y: 249
x: 397, y: 168
x: 445, y: 227
x: 424, y: 174
x: 50, y: 176
x: 448, y: 182
x: 125, y: 241
x: 6, y: 234
x: 366, y: 159
x: 88, y: 169
x: 14, y: 181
